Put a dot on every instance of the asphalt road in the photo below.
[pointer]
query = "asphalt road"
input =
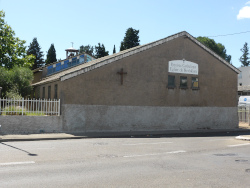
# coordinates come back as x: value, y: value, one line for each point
x: 215, y: 161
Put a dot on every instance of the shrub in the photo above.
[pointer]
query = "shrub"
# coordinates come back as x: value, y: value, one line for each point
x: 13, y: 110
x: 17, y: 110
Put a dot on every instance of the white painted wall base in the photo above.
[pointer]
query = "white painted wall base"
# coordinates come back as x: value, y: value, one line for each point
x: 118, y: 119
x: 97, y: 118
x: 30, y: 124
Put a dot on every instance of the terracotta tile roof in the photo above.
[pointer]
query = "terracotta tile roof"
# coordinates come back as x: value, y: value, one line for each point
x: 82, y: 68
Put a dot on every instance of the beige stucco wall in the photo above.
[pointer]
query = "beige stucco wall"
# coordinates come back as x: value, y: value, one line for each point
x: 97, y: 102
x: 146, y: 81
x: 39, y: 90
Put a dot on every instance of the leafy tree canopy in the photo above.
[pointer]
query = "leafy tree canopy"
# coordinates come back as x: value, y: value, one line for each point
x: 12, y: 49
x: 35, y: 49
x: 51, y: 55
x: 244, y: 59
x: 216, y: 47
x: 17, y: 80
x: 100, y: 51
x: 87, y: 49
x: 131, y: 39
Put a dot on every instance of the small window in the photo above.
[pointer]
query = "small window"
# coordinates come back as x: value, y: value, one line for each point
x: 49, y: 92
x: 171, y: 81
x: 38, y: 92
x: 55, y: 94
x: 183, y: 82
x: 195, y: 83
x: 43, y: 95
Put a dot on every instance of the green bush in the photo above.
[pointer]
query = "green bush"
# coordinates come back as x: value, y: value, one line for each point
x: 17, y: 110
x: 12, y: 94
x: 13, y: 110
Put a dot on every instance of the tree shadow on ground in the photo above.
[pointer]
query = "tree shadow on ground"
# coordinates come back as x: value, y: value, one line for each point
x: 30, y: 154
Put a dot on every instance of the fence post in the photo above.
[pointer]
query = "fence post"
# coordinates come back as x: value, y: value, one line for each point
x: 58, y: 107
x: 22, y: 105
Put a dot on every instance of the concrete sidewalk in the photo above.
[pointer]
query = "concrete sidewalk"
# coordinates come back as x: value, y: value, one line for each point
x: 243, y: 137
x: 243, y: 126
x: 242, y: 134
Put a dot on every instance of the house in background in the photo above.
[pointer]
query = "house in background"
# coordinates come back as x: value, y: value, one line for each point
x: 72, y: 59
x: 244, y: 81
x: 175, y: 83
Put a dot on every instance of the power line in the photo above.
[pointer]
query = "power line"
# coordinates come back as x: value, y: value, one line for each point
x: 229, y: 34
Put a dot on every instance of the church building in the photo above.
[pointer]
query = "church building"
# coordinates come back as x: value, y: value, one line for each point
x: 175, y: 83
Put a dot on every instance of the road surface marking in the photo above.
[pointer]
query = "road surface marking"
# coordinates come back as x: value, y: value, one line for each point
x: 147, y: 143
x: 17, y: 163
x: 239, y: 145
x: 153, y: 154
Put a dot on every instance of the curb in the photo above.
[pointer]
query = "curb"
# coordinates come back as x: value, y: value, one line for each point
x: 39, y: 138
x: 147, y: 134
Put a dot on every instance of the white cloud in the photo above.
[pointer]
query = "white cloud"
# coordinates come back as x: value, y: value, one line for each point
x: 244, y: 12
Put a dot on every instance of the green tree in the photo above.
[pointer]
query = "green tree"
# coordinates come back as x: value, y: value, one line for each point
x: 114, y: 51
x: 244, y: 59
x: 35, y: 49
x: 216, y: 47
x: 100, y: 51
x: 122, y: 46
x: 5, y: 81
x: 16, y: 80
x: 12, y: 49
x: 87, y: 49
x: 131, y: 39
x: 51, y: 55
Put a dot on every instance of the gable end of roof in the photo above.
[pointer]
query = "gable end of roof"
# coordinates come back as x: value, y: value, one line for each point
x: 83, y: 68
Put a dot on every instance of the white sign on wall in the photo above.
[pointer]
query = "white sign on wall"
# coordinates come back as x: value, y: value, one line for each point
x: 183, y: 67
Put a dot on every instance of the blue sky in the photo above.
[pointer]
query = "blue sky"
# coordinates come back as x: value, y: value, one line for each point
x: 90, y: 22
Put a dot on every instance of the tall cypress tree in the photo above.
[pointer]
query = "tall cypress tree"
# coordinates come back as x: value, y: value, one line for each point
x: 100, y: 51
x: 244, y: 59
x: 131, y: 39
x: 114, y: 51
x: 51, y: 55
x: 35, y: 49
x: 122, y: 46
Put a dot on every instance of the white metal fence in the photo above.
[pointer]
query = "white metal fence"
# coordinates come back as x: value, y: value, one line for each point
x: 35, y: 107
x: 243, y: 113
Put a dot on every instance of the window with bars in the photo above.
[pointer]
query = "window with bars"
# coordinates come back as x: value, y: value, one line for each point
x: 183, y: 82
x: 49, y: 92
x: 171, y: 81
x: 55, y: 92
x: 43, y: 94
x: 195, y: 83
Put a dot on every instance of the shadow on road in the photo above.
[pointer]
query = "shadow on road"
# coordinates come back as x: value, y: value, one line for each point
x: 31, y: 154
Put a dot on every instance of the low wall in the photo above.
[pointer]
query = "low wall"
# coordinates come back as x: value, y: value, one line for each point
x: 95, y: 118
x: 30, y: 124
x: 105, y: 119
